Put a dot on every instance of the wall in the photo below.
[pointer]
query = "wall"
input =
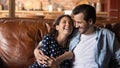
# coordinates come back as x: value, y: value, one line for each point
x: 64, y: 4
x: 43, y: 4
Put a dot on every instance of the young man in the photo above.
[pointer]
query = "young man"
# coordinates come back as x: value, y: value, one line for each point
x: 92, y: 47
x: 95, y: 47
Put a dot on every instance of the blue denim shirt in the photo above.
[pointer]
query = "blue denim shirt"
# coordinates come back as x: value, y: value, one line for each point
x: 107, y: 47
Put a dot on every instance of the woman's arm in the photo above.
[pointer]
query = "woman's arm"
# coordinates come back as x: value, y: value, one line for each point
x: 52, y: 63
x: 43, y: 59
x: 66, y: 55
x: 40, y: 57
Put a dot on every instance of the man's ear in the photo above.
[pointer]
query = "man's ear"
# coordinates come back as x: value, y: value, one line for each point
x: 90, y: 21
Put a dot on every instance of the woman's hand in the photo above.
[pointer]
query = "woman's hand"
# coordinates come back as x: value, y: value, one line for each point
x: 66, y: 55
x: 40, y: 57
x: 69, y: 54
x: 43, y: 59
x: 52, y: 63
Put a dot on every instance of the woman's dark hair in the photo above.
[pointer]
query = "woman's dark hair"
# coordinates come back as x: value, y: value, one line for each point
x: 88, y: 11
x: 53, y: 30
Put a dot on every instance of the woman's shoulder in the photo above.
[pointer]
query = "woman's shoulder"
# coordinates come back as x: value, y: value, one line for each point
x: 48, y: 36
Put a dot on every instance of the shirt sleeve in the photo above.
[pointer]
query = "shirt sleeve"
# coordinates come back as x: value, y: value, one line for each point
x: 116, y: 50
x: 46, y: 45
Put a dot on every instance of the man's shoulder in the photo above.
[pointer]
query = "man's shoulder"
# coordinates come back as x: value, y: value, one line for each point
x: 76, y: 34
x: 105, y: 31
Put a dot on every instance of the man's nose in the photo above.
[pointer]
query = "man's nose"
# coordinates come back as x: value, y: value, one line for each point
x: 76, y: 25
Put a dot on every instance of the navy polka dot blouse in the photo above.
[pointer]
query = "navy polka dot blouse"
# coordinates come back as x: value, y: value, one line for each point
x: 51, y: 48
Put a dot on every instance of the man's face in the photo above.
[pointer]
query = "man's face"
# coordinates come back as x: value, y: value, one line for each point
x: 80, y: 23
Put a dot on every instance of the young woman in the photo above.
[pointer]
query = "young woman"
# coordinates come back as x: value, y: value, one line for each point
x: 56, y: 42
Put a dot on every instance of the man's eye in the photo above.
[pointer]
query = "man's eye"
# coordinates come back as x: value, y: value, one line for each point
x: 77, y: 22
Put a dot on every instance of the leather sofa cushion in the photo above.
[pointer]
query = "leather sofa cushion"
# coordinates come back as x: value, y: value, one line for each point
x: 18, y: 38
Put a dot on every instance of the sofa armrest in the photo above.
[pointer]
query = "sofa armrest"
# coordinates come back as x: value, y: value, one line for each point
x: 1, y: 63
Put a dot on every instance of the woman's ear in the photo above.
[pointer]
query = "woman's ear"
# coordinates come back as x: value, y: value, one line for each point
x: 57, y: 27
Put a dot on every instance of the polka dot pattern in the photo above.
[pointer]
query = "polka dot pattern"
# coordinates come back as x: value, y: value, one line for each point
x: 51, y: 48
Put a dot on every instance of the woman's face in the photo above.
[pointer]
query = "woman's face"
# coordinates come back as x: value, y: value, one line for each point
x: 65, y: 26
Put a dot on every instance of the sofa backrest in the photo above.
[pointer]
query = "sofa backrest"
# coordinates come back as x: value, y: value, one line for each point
x: 113, y: 25
x: 18, y: 38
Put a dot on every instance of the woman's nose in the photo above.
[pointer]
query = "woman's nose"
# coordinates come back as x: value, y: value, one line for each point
x: 67, y: 23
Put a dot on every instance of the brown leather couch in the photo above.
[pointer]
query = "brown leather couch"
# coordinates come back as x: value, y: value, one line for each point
x: 19, y: 37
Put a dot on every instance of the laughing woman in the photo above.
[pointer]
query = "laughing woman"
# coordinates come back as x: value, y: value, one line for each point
x: 56, y: 43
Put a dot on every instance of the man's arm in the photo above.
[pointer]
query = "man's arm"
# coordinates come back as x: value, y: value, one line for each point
x: 116, y: 50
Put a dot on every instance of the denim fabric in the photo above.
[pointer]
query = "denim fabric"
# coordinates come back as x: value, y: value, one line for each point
x: 107, y: 47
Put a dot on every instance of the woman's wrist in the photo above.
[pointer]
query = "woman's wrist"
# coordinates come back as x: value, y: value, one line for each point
x: 66, y: 55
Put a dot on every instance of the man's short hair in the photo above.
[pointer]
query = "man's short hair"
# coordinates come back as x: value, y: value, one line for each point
x: 88, y: 11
